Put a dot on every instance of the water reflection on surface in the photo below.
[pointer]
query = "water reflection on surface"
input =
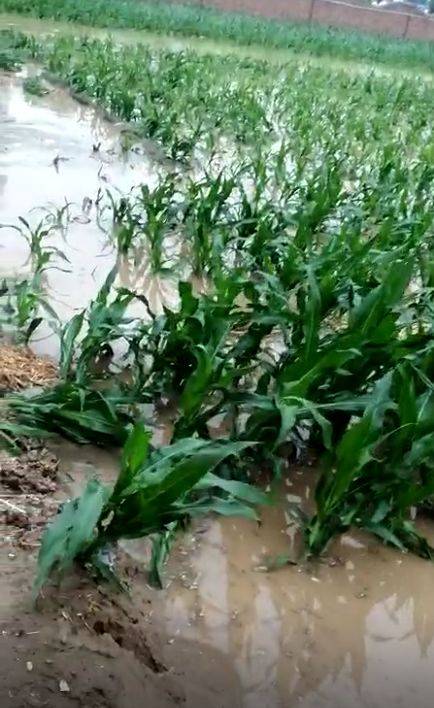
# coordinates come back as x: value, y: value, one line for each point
x: 354, y: 630
x: 48, y: 159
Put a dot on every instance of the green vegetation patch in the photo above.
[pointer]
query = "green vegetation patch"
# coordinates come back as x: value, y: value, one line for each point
x: 195, y: 21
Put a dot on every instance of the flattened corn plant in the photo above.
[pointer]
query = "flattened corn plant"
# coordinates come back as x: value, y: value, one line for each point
x: 302, y: 248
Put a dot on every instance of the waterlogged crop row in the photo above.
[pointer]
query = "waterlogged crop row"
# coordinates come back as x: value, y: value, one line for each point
x: 298, y: 229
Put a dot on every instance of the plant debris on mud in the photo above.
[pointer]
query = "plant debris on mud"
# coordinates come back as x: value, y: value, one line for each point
x: 28, y: 484
x: 20, y: 369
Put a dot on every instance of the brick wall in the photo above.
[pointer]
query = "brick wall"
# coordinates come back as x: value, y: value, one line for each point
x: 420, y: 28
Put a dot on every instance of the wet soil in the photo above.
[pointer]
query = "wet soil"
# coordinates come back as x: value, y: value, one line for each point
x: 76, y: 648
x: 84, y: 645
x: 47, y: 659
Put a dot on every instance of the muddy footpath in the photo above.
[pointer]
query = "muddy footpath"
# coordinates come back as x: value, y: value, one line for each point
x: 231, y: 627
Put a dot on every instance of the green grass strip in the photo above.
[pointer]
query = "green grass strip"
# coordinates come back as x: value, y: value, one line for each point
x: 191, y: 20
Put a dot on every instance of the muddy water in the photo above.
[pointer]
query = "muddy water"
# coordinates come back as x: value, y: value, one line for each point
x: 48, y: 158
x: 354, y: 630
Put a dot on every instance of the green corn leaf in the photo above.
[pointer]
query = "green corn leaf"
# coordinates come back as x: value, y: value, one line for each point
x: 223, y: 507
x: 165, y: 486
x: 312, y: 316
x: 67, y: 343
x: 134, y: 455
x: 198, y: 383
x: 355, y: 448
x: 161, y: 545
x: 238, y: 490
x: 291, y: 408
x: 71, y: 532
x: 372, y: 309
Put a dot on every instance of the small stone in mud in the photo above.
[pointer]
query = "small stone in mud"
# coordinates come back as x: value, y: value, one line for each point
x: 334, y: 561
x: 29, y: 666
x: 64, y: 686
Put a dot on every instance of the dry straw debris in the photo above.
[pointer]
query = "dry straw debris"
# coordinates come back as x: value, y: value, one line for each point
x: 20, y: 368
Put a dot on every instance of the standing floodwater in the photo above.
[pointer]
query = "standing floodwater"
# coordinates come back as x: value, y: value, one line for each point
x: 56, y: 152
x: 355, y: 629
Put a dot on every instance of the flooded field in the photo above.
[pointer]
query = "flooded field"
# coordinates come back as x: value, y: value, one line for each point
x: 234, y: 626
x: 355, y: 629
x: 54, y: 152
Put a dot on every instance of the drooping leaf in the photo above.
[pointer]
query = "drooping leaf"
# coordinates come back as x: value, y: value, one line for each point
x: 239, y: 490
x: 161, y: 545
x: 70, y: 532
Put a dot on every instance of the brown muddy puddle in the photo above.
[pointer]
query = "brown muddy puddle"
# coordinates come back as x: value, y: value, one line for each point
x: 355, y: 629
x: 56, y: 151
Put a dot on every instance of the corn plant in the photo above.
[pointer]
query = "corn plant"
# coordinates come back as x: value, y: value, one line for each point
x: 154, y: 490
